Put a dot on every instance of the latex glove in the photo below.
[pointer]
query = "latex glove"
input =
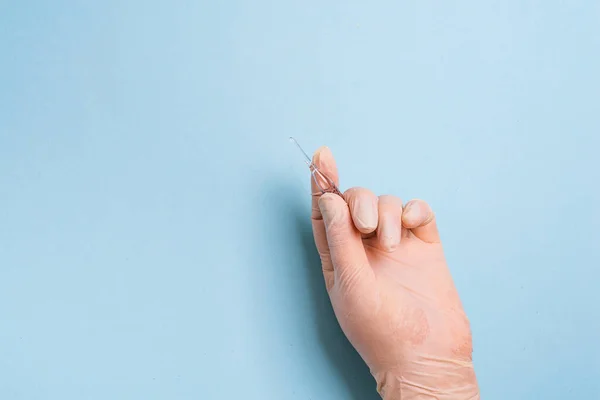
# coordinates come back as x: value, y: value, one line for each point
x: 392, y: 292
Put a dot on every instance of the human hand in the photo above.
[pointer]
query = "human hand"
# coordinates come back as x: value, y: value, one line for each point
x: 392, y: 291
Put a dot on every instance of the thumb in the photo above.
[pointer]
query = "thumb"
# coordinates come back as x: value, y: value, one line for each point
x: 418, y: 217
x: 346, y: 248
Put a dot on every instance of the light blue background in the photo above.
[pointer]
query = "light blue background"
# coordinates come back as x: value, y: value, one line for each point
x: 154, y: 234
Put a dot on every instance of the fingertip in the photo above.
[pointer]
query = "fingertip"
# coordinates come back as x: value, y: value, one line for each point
x: 323, y: 156
x: 366, y: 224
x: 420, y: 219
x: 327, y: 174
x: 389, y: 244
x: 330, y: 205
x: 363, y: 206
x: 415, y: 214
x: 389, y: 230
x: 326, y: 200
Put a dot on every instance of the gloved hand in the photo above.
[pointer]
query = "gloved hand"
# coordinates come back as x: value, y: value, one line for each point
x: 392, y: 292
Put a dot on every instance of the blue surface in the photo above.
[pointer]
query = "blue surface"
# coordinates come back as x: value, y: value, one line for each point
x: 154, y: 233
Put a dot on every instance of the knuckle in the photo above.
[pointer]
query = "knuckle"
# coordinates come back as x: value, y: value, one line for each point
x: 357, y: 191
x: 329, y: 280
x: 350, y: 193
x: 326, y: 261
x: 420, y: 202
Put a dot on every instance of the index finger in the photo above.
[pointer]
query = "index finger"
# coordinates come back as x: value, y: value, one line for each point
x: 324, y: 161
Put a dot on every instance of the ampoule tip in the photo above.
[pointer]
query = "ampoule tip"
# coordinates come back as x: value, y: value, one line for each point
x: 307, y: 159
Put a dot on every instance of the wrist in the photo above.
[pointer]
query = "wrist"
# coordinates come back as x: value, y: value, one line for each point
x: 450, y: 382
